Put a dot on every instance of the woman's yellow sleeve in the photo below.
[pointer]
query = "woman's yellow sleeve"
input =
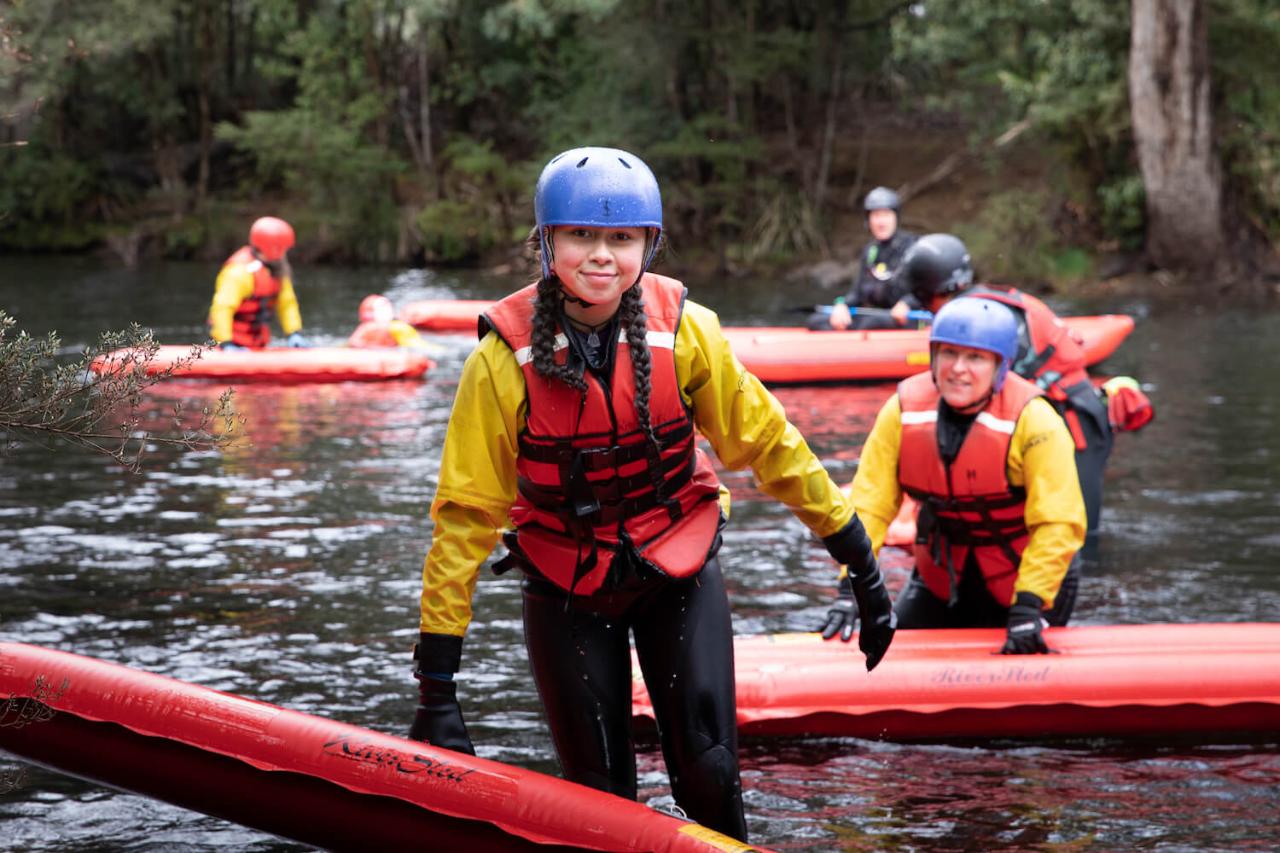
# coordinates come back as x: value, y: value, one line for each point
x: 287, y: 308
x: 875, y: 491
x: 234, y: 285
x: 477, y: 484
x: 1042, y: 459
x: 747, y: 426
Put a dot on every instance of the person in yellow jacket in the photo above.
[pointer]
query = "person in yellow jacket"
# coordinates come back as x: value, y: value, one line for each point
x: 380, y: 328
x: 255, y: 284
x: 574, y: 438
x: 992, y: 464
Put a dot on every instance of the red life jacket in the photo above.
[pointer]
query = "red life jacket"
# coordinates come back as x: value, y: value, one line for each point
x: 588, y: 476
x: 250, y: 325
x: 372, y: 336
x: 1049, y: 356
x: 969, y: 505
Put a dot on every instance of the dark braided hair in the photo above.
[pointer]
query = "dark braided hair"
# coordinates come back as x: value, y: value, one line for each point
x: 546, y: 308
x: 631, y: 317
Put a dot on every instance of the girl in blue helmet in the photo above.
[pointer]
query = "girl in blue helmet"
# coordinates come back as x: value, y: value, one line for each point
x: 573, y: 438
x: 992, y: 465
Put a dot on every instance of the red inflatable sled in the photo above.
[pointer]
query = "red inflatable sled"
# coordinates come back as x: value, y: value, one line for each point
x: 777, y: 354
x: 320, y: 782
x: 445, y: 315
x: 311, y: 364
x: 1108, y: 680
x: 782, y: 354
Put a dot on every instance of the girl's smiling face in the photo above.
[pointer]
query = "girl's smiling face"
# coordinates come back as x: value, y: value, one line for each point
x: 597, y: 265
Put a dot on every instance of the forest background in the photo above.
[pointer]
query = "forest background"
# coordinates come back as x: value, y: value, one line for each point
x: 1064, y: 140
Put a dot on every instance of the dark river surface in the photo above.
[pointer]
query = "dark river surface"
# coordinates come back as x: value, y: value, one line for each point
x: 287, y: 569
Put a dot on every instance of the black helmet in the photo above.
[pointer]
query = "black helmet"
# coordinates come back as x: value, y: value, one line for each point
x: 936, y: 265
x: 881, y: 198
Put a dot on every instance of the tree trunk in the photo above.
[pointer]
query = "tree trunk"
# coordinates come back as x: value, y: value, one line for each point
x: 1173, y: 133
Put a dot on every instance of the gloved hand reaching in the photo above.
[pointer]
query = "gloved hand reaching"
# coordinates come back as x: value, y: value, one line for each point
x: 851, y: 547
x: 1026, y: 624
x: 438, y: 720
x: 297, y: 341
x: 1128, y: 408
x: 843, y: 615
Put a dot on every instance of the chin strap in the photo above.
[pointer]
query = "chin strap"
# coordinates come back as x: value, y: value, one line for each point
x: 569, y: 297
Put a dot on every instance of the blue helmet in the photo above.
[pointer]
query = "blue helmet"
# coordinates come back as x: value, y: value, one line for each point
x: 597, y: 186
x: 978, y: 324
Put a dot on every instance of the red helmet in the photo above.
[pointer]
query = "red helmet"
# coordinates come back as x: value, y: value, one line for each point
x: 376, y: 309
x: 271, y: 237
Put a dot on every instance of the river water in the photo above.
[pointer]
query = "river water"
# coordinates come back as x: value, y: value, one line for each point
x: 286, y: 569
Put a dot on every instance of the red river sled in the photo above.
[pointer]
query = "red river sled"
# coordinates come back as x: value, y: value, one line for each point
x: 321, y: 782
x: 277, y: 364
x: 781, y: 354
x: 445, y: 315
x: 1108, y: 680
x: 778, y: 354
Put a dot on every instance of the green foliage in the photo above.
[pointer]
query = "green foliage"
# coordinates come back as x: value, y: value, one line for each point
x: 1061, y: 66
x: 50, y: 401
x: 358, y: 111
x: 456, y: 232
x: 1244, y: 41
x: 1123, y: 209
x: 42, y: 197
x: 484, y: 205
x: 1012, y: 239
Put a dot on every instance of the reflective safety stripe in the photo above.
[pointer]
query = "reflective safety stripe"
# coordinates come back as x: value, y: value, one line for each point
x: 920, y: 417
x: 990, y: 421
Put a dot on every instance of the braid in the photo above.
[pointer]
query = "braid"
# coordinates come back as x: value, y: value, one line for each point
x: 631, y: 316
x: 546, y: 308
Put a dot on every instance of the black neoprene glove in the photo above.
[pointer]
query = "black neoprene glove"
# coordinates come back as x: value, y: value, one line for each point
x: 852, y: 548
x: 1026, y: 625
x: 438, y: 719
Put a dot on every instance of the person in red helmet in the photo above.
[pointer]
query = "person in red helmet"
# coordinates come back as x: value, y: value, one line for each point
x: 255, y: 284
x: 380, y: 328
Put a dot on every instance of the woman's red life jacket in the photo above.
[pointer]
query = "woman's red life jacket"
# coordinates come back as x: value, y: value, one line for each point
x: 251, y: 323
x: 969, y: 505
x: 372, y: 335
x: 589, y: 478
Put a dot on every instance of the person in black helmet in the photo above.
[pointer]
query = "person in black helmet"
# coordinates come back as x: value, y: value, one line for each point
x: 875, y: 286
x: 938, y: 268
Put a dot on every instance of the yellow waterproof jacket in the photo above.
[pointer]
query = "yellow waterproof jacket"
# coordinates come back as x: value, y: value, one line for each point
x: 1041, y: 460
x: 235, y: 285
x: 744, y: 423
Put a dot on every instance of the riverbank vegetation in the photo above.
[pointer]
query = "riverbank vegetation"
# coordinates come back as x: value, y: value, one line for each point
x: 50, y: 399
x: 1059, y: 139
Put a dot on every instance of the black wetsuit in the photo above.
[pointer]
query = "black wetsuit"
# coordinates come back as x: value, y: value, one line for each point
x: 580, y: 655
x: 876, y: 285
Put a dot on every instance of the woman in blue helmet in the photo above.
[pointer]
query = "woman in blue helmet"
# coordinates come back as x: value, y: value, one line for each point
x: 992, y: 465
x: 573, y: 438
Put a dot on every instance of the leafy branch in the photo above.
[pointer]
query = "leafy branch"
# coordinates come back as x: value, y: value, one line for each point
x: 96, y: 400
